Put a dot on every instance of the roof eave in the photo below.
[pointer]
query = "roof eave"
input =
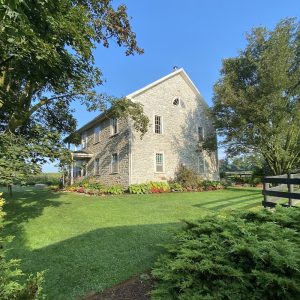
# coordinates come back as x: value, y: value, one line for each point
x: 180, y: 71
x: 106, y: 114
x: 151, y: 85
x: 101, y: 117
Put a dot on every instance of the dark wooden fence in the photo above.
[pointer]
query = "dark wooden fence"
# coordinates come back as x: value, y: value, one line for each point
x: 240, y: 174
x: 277, y: 188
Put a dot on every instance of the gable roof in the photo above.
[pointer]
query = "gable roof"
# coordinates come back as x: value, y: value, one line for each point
x: 180, y: 72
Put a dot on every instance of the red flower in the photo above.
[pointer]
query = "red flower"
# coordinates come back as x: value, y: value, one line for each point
x: 80, y: 190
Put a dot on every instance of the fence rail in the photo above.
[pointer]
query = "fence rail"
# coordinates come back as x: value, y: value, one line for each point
x: 283, y: 186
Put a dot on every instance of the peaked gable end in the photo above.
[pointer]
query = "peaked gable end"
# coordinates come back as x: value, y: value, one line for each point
x: 179, y: 72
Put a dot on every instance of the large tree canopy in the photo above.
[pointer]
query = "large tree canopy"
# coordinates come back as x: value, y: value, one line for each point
x: 46, y: 58
x: 257, y: 98
x: 46, y: 62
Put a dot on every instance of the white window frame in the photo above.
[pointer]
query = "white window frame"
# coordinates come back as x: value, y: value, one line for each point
x: 111, y: 164
x: 200, y: 139
x: 161, y: 124
x: 97, y: 131
x: 84, y: 140
x: 97, y: 166
x: 163, y: 162
x: 201, y: 155
x: 112, y: 126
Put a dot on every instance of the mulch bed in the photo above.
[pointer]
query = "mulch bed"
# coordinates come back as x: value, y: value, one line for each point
x: 132, y: 289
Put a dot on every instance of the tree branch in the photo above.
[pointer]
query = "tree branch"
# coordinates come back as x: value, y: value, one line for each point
x: 48, y: 100
x: 6, y: 61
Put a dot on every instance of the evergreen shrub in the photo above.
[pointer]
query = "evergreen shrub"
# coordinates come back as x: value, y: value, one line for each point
x: 234, y: 255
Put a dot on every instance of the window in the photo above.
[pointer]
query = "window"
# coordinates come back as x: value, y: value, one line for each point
x: 114, y: 126
x: 176, y: 101
x: 159, y: 162
x: 97, y: 166
x: 97, y: 131
x: 201, y: 164
x: 200, y: 134
x: 114, y: 163
x: 84, y: 140
x: 158, y: 124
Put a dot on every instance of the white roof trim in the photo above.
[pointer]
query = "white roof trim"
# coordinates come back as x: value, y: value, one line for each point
x: 172, y: 74
x: 149, y: 86
x: 192, y: 85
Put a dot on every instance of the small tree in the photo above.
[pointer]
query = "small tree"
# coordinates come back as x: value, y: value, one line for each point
x: 187, y: 177
x: 257, y: 99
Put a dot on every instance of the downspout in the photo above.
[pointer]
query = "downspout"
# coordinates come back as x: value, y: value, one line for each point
x: 130, y: 153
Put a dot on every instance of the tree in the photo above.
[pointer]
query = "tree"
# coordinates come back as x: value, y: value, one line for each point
x: 257, y: 99
x: 46, y: 62
x: 246, y: 162
x: 21, y: 157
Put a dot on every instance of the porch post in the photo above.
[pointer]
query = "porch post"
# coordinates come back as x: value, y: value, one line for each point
x: 72, y: 170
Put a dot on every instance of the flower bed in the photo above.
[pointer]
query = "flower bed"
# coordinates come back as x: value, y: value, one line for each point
x: 91, y: 187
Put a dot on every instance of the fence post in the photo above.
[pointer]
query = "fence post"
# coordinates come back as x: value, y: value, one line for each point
x: 290, y: 188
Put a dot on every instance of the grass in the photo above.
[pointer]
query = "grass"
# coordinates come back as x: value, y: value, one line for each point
x: 91, y: 243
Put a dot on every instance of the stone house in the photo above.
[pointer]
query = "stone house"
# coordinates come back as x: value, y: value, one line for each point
x: 179, y: 122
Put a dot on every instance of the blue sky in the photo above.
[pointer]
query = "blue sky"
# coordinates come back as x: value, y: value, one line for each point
x: 193, y: 34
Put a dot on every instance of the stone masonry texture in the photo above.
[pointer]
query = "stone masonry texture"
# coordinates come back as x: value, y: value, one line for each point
x: 107, y: 145
x: 178, y: 142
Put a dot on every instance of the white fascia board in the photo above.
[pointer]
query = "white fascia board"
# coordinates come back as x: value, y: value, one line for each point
x: 172, y: 74
x: 151, y: 85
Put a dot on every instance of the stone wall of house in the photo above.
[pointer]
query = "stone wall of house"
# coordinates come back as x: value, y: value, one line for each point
x: 179, y: 140
x: 107, y: 145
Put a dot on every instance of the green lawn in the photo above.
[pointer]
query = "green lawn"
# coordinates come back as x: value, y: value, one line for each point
x: 91, y: 243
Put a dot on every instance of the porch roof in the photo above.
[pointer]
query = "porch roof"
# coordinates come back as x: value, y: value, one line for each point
x: 81, y: 155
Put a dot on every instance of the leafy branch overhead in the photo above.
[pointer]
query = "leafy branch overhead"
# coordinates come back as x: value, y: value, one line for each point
x: 47, y: 62
x: 20, y: 156
x: 46, y: 49
x: 257, y: 98
x: 127, y: 108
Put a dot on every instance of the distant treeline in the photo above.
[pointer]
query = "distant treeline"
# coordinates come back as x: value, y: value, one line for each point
x: 44, y: 178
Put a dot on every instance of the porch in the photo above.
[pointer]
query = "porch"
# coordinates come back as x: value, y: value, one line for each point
x: 78, y: 166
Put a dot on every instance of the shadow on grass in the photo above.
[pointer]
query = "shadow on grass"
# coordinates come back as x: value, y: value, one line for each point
x: 96, y: 260
x: 239, y: 203
x: 26, y: 204
x: 92, y: 261
x: 205, y: 203
x: 240, y: 189
x: 224, y: 202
